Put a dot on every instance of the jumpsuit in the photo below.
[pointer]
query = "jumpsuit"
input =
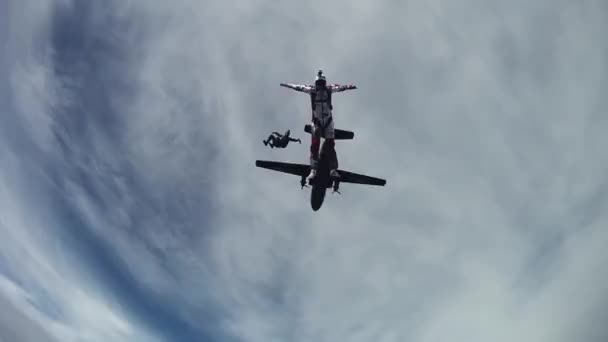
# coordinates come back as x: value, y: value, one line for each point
x: 322, y: 118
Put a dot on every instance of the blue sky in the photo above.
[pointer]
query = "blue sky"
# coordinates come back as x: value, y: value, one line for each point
x: 130, y: 208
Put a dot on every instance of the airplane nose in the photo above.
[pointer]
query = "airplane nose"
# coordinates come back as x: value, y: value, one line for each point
x: 316, y: 204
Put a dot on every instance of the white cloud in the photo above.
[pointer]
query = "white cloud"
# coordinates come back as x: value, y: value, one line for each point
x: 47, y: 293
x: 469, y: 112
x: 40, y: 278
x: 486, y: 119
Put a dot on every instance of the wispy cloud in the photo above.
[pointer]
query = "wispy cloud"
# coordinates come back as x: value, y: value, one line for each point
x: 135, y: 211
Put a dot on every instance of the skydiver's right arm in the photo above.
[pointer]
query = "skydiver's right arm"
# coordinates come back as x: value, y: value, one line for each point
x: 336, y: 88
x: 298, y: 87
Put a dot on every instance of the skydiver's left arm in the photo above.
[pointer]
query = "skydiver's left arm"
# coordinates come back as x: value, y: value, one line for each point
x: 336, y: 88
x: 298, y: 87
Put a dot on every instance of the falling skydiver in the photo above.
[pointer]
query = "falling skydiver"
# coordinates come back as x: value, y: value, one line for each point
x: 280, y: 140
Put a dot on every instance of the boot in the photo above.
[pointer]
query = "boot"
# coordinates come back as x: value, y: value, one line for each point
x: 311, y: 175
x: 313, y: 170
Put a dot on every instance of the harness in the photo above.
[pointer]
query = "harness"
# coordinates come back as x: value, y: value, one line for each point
x: 313, y: 99
x: 316, y: 121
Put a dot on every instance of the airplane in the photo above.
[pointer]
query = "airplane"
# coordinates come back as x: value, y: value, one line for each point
x: 322, y: 180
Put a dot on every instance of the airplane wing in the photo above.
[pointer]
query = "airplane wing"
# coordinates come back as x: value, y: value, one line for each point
x: 301, y: 170
x: 349, y: 177
x: 339, y: 134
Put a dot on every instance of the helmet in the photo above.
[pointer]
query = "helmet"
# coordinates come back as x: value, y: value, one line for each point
x: 320, y: 80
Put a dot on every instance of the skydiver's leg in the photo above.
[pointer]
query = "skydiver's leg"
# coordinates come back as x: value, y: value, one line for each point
x: 331, y: 149
x: 315, y: 142
x: 329, y: 129
x: 267, y: 140
x: 331, y: 144
x: 333, y: 172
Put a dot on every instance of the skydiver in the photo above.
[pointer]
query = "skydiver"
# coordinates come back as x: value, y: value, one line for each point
x: 280, y: 140
x: 322, y: 118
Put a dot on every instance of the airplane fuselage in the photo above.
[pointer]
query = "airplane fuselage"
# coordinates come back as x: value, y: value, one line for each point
x: 322, y: 180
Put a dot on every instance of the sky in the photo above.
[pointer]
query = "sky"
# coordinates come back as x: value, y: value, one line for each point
x: 131, y: 209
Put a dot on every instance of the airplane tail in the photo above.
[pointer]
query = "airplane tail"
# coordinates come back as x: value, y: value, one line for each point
x: 339, y: 134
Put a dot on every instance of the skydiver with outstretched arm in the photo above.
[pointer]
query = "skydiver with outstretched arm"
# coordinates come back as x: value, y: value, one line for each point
x: 322, y: 118
x: 280, y: 140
